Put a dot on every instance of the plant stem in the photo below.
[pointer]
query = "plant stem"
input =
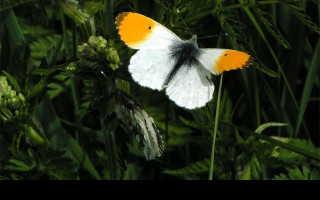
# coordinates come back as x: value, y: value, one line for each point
x: 215, y: 129
x: 71, y: 55
x: 109, y: 21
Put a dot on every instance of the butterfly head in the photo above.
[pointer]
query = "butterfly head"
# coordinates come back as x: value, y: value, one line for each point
x: 194, y: 40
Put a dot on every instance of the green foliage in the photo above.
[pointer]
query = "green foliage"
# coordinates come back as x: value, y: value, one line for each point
x: 298, y: 174
x: 194, y: 168
x: 69, y: 108
x: 303, y: 17
x: 269, y: 23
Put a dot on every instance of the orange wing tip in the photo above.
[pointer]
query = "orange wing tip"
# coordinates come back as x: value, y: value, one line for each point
x: 134, y: 28
x: 120, y: 18
x: 231, y: 60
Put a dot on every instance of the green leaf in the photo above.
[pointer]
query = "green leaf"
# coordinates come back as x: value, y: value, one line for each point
x: 275, y: 142
x: 230, y: 22
x: 13, y: 81
x: 269, y: 23
x: 15, y: 35
x: 299, y: 174
x: 292, y: 158
x: 262, y: 35
x: 310, y: 81
x: 269, y: 124
x: 72, y: 9
x: 245, y: 174
x: 47, y: 47
x: 49, y: 71
x: 195, y: 124
x: 20, y: 165
x: 60, y: 139
x: 16, y: 43
x: 198, y: 167
x: 303, y: 17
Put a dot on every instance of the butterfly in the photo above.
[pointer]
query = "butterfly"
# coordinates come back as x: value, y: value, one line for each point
x: 164, y: 61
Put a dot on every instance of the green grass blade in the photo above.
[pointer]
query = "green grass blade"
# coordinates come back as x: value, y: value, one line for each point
x: 303, y: 17
x: 310, y: 80
x: 15, y: 34
x: 269, y: 124
x: 109, y: 21
x: 16, y: 41
x: 198, y: 167
x: 255, y: 23
x: 215, y: 130
x: 270, y: 26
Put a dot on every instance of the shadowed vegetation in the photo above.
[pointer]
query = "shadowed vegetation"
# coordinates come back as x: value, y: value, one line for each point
x: 61, y: 118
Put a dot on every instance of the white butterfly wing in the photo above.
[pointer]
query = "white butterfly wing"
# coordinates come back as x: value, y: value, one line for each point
x: 191, y: 87
x: 220, y: 60
x: 141, y: 32
x: 150, y: 67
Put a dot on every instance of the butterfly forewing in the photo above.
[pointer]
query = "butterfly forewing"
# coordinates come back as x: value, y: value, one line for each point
x: 220, y: 60
x: 141, y: 32
x: 151, y: 67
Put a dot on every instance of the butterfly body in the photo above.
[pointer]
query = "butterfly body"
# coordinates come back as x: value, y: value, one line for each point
x: 164, y: 61
x: 183, y: 53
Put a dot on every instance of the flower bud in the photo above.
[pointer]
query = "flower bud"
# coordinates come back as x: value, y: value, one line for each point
x: 21, y: 98
x: 86, y: 52
x: 93, y: 42
x: 113, y: 58
x: 12, y: 93
x: 72, y: 66
x: 4, y: 87
x: 102, y: 44
x: 14, y: 103
x: 3, y: 84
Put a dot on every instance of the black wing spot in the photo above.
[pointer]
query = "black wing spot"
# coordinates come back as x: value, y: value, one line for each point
x: 149, y: 27
x: 225, y: 54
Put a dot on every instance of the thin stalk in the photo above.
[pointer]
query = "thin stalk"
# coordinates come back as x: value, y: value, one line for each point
x: 256, y: 98
x: 255, y: 23
x: 69, y: 56
x: 74, y: 91
x: 110, y: 149
x: 286, y: 82
x: 167, y: 127
x: 108, y: 17
x: 65, y: 35
x: 215, y: 129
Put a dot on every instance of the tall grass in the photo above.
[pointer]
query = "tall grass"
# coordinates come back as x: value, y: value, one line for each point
x: 60, y: 118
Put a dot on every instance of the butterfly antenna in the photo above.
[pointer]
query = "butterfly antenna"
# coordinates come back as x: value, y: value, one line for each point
x: 184, y: 22
x: 104, y: 75
x: 210, y: 36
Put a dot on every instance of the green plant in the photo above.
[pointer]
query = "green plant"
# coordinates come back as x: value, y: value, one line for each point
x: 62, y: 118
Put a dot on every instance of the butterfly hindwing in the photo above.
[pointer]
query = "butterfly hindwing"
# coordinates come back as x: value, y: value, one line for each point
x: 191, y: 87
x: 141, y: 32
